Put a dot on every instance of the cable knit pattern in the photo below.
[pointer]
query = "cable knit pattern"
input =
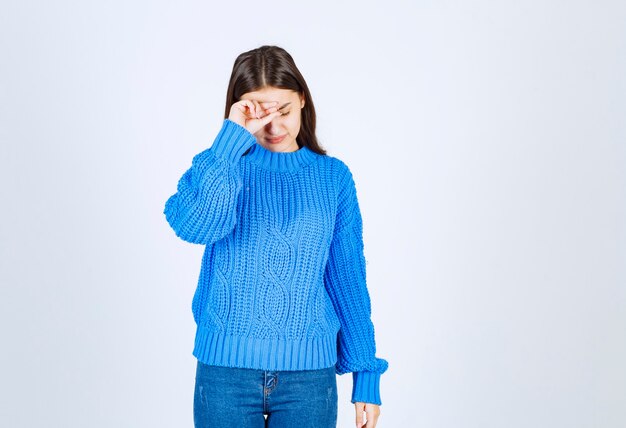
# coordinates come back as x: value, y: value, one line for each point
x: 282, y: 284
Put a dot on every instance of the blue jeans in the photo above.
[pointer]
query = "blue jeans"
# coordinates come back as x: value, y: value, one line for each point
x: 227, y: 397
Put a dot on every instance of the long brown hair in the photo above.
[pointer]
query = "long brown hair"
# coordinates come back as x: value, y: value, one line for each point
x: 272, y: 66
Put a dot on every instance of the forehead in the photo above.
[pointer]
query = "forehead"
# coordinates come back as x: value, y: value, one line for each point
x: 271, y: 94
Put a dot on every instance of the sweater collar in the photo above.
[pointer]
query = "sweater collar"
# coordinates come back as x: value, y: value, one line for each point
x: 280, y: 161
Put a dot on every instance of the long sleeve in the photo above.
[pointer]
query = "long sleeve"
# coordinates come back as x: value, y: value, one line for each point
x: 345, y: 281
x: 203, y: 209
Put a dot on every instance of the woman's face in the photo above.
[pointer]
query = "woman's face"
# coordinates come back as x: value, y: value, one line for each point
x: 287, y: 126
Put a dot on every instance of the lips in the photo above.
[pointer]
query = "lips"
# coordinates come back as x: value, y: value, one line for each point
x: 275, y: 140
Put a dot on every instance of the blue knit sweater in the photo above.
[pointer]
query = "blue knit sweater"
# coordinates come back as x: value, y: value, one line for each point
x: 282, y: 284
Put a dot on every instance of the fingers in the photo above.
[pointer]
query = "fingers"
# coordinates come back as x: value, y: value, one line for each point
x: 267, y: 119
x: 258, y: 109
x: 265, y: 111
x: 371, y: 421
x: 252, y: 108
x: 253, y: 114
x: 371, y: 411
x: 265, y: 108
x: 360, y: 407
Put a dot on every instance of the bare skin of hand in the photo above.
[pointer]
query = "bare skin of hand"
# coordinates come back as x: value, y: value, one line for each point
x: 372, y: 411
x: 252, y: 114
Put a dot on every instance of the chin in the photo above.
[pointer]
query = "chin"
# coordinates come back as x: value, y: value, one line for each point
x: 282, y: 146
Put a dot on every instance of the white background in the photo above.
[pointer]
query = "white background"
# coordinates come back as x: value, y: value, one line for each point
x: 488, y: 144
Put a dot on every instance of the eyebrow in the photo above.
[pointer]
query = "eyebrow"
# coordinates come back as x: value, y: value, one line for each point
x: 284, y: 105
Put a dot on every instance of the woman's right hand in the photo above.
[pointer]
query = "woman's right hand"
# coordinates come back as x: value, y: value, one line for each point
x: 252, y: 114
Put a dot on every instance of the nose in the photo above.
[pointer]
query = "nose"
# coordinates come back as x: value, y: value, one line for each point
x: 271, y: 125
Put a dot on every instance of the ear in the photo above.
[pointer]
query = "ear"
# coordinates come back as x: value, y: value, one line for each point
x: 302, y: 101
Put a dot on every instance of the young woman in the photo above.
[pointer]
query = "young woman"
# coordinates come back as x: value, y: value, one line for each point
x: 281, y: 305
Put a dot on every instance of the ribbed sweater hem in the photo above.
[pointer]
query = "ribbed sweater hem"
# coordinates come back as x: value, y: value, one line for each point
x: 366, y: 387
x: 219, y: 349
x: 232, y: 141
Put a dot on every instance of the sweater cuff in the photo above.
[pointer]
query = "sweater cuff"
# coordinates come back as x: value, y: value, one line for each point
x: 366, y: 387
x: 232, y: 141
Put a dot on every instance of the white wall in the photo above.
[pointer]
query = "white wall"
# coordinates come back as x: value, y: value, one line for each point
x: 487, y: 141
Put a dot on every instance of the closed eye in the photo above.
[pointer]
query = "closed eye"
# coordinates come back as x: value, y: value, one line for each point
x: 282, y: 107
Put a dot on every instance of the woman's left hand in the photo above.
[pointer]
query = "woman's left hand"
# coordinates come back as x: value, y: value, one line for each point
x: 372, y: 412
